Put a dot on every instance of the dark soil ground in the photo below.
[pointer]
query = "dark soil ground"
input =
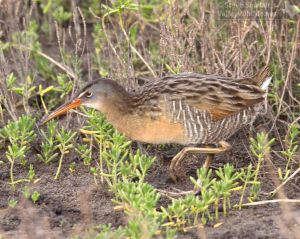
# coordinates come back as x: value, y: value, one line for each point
x: 69, y: 205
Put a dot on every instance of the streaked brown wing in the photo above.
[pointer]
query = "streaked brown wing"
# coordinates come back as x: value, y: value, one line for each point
x: 220, y: 98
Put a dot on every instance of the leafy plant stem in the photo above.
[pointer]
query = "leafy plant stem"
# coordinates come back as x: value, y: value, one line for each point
x: 59, y: 166
x: 11, y: 171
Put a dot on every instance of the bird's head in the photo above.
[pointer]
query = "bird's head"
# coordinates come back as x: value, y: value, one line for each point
x: 99, y: 94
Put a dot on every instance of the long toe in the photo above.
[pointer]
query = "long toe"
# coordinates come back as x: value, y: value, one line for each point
x: 172, y: 175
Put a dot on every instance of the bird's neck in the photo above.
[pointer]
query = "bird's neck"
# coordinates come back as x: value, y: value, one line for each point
x: 121, y: 110
x: 117, y: 105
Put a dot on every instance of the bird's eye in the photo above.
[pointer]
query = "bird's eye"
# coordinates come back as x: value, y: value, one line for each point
x: 88, y: 94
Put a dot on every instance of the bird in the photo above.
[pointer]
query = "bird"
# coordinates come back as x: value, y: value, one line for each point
x: 189, y: 109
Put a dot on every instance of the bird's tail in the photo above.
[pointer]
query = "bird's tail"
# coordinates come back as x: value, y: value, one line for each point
x: 263, y: 78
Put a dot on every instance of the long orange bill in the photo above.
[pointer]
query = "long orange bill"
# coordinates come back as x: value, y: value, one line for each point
x: 61, y: 110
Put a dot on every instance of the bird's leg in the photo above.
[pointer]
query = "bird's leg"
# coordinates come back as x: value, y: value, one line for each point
x: 208, y: 160
x: 177, y: 160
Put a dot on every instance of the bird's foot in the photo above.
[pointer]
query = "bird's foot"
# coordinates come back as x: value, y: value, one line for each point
x: 177, y: 160
x: 175, y: 175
